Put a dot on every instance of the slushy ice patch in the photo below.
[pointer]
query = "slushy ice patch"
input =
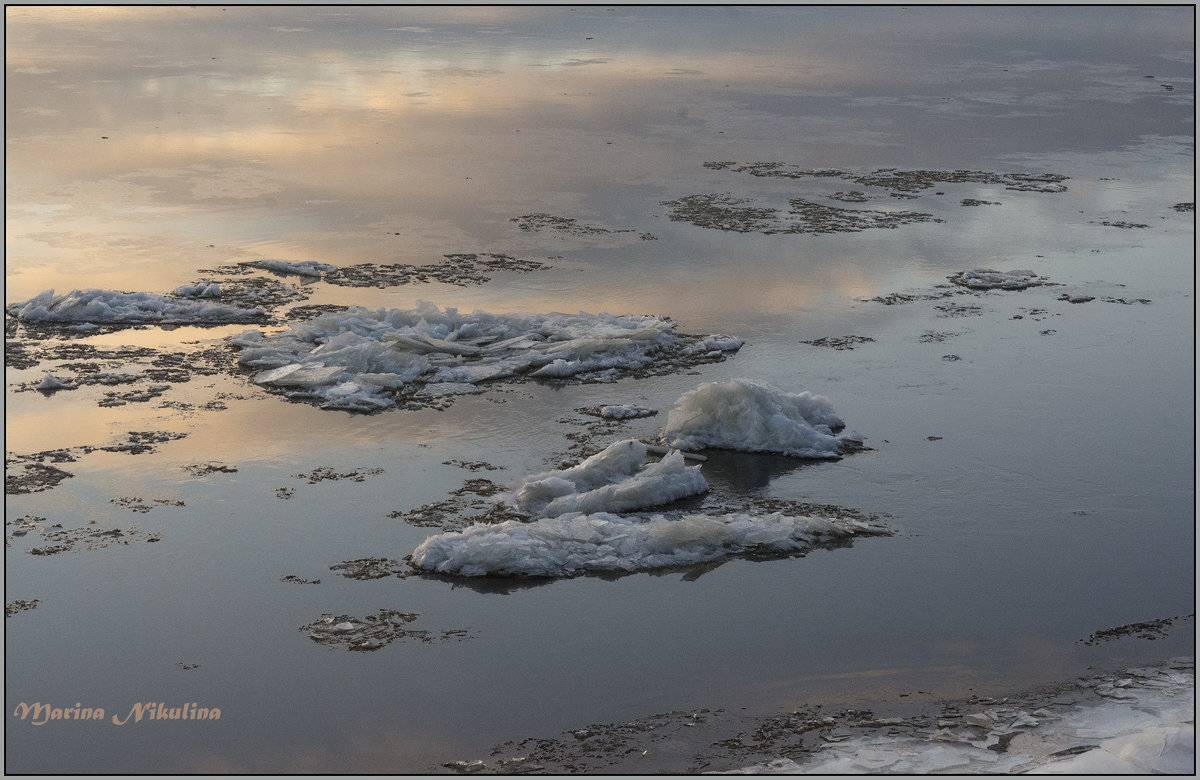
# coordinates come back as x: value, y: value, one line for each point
x: 365, y: 360
x: 987, y: 279
x: 740, y: 414
x: 614, y: 480
x: 579, y: 543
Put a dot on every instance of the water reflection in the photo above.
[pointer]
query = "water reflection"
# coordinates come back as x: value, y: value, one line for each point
x: 146, y: 144
x: 137, y: 136
x: 747, y: 472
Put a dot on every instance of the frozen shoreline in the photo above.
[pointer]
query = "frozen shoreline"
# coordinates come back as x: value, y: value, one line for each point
x: 1136, y: 720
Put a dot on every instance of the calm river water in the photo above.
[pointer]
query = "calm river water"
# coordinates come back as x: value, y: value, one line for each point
x: 786, y: 175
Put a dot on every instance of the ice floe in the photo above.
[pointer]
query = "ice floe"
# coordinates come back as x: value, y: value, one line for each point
x: 108, y: 306
x: 358, y: 359
x: 987, y: 279
x: 578, y: 543
x: 741, y: 414
x: 614, y: 480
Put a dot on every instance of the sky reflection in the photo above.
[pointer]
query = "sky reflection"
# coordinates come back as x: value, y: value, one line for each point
x: 1023, y: 447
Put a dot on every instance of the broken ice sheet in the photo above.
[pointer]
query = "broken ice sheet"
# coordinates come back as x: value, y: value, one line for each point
x: 364, y: 360
x: 120, y: 307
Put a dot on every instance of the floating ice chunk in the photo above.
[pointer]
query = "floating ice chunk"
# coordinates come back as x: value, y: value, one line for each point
x: 987, y: 279
x: 614, y: 480
x: 717, y: 343
x: 303, y: 268
x: 50, y: 383
x: 740, y: 414
x: 355, y: 396
x: 472, y: 373
x: 578, y: 543
x: 199, y: 291
x: 445, y: 349
x: 299, y: 375
x: 119, y: 307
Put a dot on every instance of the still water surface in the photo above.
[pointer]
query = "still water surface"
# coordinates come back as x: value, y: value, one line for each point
x: 1040, y: 486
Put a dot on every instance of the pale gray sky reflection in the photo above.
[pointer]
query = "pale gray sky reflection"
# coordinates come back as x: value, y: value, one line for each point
x: 245, y: 115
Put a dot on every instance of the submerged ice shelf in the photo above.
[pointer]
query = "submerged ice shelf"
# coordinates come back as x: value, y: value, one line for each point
x: 363, y: 360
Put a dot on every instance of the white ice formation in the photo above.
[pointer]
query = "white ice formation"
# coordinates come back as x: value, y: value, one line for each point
x: 614, y: 480
x: 1141, y: 723
x: 211, y: 290
x: 987, y: 279
x: 303, y: 268
x: 740, y: 414
x: 50, y: 383
x: 358, y: 358
x: 108, y: 306
x: 577, y: 543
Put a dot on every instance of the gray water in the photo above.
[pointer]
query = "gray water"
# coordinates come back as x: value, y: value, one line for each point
x: 1040, y: 487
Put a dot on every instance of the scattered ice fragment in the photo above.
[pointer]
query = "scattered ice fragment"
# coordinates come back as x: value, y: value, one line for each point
x: 740, y: 414
x: 303, y: 268
x: 50, y: 383
x: 987, y: 279
x: 578, y: 543
x: 614, y: 480
x: 120, y: 307
x: 625, y: 411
